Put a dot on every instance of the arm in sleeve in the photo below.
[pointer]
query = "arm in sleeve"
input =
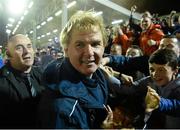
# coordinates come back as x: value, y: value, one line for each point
x: 124, y: 64
x: 170, y: 106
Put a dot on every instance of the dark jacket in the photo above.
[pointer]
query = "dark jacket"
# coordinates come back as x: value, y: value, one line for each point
x: 127, y: 65
x: 18, y: 107
x: 76, y: 101
x: 168, y: 114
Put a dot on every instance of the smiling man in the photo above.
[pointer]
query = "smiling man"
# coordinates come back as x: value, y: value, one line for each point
x: 85, y: 50
x: 81, y: 89
x: 20, y: 85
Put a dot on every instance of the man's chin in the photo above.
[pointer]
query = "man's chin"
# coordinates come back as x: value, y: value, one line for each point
x: 27, y: 65
x: 89, y: 72
x: 159, y: 84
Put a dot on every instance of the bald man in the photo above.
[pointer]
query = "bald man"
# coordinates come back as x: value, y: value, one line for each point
x: 170, y: 42
x: 20, y: 85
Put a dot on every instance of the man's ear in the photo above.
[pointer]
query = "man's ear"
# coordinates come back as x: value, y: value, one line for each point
x: 7, y: 53
x: 176, y: 71
x: 66, y: 52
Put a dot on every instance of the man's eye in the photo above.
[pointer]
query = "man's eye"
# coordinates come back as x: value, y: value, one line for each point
x: 29, y: 46
x: 80, y: 45
x: 94, y: 44
x: 19, y: 48
x: 151, y: 70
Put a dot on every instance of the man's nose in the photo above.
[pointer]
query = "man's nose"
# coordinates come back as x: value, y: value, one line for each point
x: 155, y: 74
x: 89, y: 50
x: 25, y: 50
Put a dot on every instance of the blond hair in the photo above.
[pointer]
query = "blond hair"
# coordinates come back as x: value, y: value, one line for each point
x: 147, y: 14
x: 82, y: 20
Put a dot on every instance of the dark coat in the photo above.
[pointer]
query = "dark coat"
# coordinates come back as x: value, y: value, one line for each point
x: 167, y: 117
x: 127, y: 65
x: 18, y: 107
x: 76, y: 101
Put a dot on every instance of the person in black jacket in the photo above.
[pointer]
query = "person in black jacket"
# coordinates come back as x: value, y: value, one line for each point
x: 20, y: 85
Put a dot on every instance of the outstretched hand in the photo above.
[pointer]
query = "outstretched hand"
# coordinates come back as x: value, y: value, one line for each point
x: 152, y: 100
x: 105, y: 60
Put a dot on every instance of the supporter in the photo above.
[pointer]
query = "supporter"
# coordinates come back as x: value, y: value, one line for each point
x: 167, y: 30
x: 163, y: 67
x: 170, y: 42
x: 20, y: 85
x: 174, y: 22
x: 134, y: 51
x: 110, y: 35
x: 124, y: 37
x: 116, y: 49
x: 124, y: 64
x: 77, y: 97
x: 37, y: 58
x: 47, y: 57
x: 159, y: 91
x: 151, y: 35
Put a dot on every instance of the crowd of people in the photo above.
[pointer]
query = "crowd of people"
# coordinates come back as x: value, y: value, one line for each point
x: 125, y: 77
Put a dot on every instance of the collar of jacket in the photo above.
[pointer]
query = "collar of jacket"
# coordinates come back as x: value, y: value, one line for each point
x: 74, y: 85
x: 15, y: 77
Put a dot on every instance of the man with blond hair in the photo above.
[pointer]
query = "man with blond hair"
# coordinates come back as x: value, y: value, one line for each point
x: 81, y: 91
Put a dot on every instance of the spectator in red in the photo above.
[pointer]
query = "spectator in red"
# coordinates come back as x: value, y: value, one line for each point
x: 151, y: 34
x: 124, y: 37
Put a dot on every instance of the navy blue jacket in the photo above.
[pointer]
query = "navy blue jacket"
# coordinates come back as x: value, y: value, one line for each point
x: 125, y: 64
x: 168, y: 114
x: 76, y: 101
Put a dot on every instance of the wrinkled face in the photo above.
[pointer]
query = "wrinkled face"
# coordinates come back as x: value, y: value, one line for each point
x: 116, y: 50
x: 170, y: 43
x: 161, y: 74
x: 131, y: 52
x: 21, y: 53
x: 85, y: 50
x: 145, y: 23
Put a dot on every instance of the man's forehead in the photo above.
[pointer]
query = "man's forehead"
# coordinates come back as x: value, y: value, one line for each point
x: 146, y: 19
x: 159, y: 65
x: 19, y: 40
x: 174, y: 40
x: 168, y: 41
x: 22, y: 38
x: 18, y: 36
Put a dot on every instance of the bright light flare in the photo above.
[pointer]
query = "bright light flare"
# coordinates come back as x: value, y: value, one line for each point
x: 16, y: 6
x: 117, y: 21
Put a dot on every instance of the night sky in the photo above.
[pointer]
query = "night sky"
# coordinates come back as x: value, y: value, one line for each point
x: 162, y: 7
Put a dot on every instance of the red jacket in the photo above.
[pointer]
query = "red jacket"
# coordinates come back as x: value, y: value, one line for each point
x: 153, y: 33
x: 124, y: 41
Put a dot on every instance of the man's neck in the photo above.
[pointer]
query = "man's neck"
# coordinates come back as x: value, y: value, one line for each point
x: 23, y: 70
